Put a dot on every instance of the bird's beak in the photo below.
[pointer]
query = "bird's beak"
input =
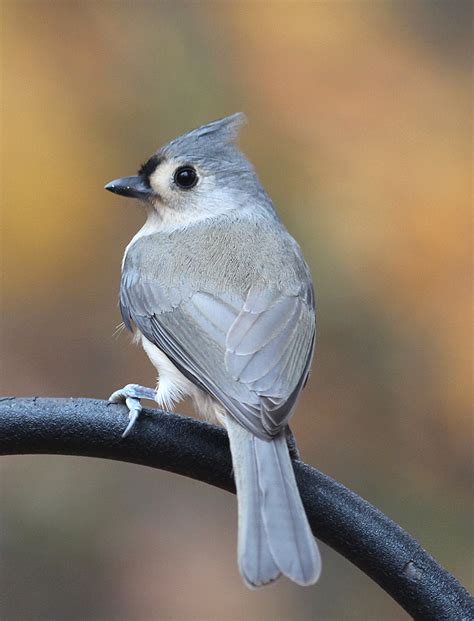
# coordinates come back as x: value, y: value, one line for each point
x: 134, y: 186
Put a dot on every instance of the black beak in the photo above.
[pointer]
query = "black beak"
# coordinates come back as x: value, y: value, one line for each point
x: 135, y: 186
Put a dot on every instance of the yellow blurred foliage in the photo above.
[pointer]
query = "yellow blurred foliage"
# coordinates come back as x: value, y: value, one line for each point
x: 360, y: 128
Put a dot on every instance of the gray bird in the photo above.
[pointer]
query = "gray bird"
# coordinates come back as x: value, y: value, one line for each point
x: 220, y: 297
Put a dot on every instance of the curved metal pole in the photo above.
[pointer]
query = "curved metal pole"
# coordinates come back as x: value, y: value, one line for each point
x: 340, y: 518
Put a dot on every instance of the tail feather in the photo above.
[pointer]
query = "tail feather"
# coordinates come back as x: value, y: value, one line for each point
x: 274, y: 534
x: 289, y: 535
x: 256, y: 563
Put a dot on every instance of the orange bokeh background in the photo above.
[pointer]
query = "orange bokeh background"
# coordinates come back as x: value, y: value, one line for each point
x: 359, y: 126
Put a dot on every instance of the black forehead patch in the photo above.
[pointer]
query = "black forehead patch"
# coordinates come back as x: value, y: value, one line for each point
x: 150, y: 165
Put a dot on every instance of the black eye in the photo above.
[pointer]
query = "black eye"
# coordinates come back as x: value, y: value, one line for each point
x: 185, y: 177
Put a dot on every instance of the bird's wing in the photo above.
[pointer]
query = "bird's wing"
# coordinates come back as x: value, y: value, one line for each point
x: 253, y: 355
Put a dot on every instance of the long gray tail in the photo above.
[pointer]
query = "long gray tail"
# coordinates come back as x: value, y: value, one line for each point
x: 274, y: 534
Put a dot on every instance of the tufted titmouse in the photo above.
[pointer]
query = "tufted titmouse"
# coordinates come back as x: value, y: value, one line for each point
x: 221, y: 298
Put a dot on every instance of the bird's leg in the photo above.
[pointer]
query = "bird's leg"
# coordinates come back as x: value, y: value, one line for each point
x: 291, y: 442
x: 131, y: 395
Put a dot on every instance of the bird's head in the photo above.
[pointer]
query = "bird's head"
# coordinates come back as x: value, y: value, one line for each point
x: 201, y: 172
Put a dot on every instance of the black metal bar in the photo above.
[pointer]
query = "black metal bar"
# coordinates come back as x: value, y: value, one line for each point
x: 340, y: 518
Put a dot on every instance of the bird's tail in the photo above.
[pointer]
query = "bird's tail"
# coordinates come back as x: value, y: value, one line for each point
x: 274, y: 534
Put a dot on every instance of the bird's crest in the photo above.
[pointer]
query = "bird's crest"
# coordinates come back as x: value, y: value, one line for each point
x: 207, y: 138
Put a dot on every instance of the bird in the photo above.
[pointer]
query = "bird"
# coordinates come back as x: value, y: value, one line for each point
x: 221, y: 299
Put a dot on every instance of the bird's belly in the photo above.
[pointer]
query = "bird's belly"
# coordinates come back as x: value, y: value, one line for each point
x: 173, y: 386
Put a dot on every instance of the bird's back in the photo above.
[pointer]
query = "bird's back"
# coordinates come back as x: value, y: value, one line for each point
x: 209, y: 253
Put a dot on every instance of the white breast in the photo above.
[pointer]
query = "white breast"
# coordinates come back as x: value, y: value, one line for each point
x: 173, y: 387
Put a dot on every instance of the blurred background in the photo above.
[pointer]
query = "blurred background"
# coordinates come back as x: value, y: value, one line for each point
x: 360, y: 130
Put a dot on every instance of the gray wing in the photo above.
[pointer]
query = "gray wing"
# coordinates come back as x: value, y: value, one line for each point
x: 253, y: 354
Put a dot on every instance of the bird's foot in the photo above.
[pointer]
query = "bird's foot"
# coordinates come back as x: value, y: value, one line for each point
x: 292, y: 446
x: 131, y: 395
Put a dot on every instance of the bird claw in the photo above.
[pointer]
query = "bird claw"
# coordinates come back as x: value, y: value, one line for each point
x: 131, y: 395
x: 292, y: 446
x: 135, y: 409
x: 134, y: 391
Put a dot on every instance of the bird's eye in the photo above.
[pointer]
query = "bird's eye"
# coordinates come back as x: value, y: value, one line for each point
x: 185, y: 177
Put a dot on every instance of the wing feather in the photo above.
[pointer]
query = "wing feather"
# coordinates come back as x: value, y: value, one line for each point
x: 252, y: 354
